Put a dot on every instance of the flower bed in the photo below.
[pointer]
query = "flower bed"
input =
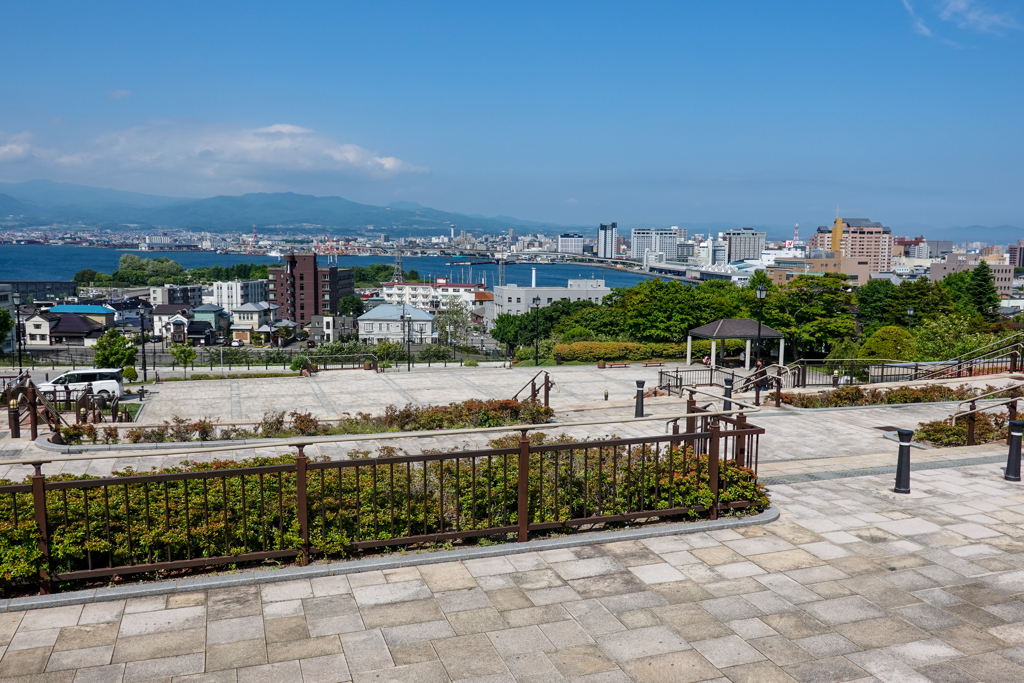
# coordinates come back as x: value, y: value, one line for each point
x: 858, y: 396
x: 470, y: 414
x: 169, y: 519
x: 988, y: 427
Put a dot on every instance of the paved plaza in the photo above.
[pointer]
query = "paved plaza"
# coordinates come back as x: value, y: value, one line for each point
x: 853, y: 583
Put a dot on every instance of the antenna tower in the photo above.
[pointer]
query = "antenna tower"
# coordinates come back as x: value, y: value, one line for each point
x: 399, y: 274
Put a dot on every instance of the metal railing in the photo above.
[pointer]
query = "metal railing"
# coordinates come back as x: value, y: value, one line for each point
x: 297, y: 508
x: 547, y: 384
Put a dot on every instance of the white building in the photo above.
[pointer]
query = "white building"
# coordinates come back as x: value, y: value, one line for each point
x: 653, y: 240
x: 398, y: 324
x: 185, y: 295
x: 436, y: 295
x: 229, y: 295
x: 570, y: 243
x: 745, y: 244
x: 518, y: 300
x: 607, y: 240
x: 713, y: 252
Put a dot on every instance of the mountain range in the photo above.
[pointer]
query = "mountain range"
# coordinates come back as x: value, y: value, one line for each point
x: 40, y: 202
x: 43, y: 201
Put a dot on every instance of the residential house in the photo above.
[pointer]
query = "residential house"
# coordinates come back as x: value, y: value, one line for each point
x: 101, y: 315
x: 252, y: 319
x: 391, y: 323
x: 128, y: 310
x: 67, y: 329
x: 164, y: 316
x: 217, y: 317
x: 324, y: 329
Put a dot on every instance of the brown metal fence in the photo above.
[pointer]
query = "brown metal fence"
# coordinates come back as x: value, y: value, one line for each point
x: 89, y: 528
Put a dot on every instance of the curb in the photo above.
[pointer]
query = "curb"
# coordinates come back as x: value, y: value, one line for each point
x: 260, y: 576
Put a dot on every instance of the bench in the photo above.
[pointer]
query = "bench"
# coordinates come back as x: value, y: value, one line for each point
x: 616, y: 365
x: 653, y: 363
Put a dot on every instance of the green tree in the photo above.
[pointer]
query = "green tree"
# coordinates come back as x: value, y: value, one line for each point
x: 657, y: 310
x: 947, y: 337
x: 814, y: 312
x: 982, y: 291
x: 874, y: 299
x: 451, y: 324
x: 183, y: 354
x: 351, y: 305
x: 6, y: 325
x: 85, y: 276
x: 889, y: 343
x: 113, y: 350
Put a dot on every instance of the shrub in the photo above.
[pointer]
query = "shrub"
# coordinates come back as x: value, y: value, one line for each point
x: 857, y: 396
x: 299, y: 363
x: 129, y: 374
x: 890, y: 343
x: 471, y: 363
x: 350, y: 504
x: 988, y: 427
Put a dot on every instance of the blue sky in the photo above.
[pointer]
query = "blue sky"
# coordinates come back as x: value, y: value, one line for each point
x: 904, y: 111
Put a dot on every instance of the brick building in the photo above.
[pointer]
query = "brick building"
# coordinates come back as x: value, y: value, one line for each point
x: 1002, y: 275
x: 302, y: 289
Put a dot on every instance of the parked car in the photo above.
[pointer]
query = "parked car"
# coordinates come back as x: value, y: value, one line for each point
x: 237, y: 342
x: 106, y: 382
x: 156, y: 338
x: 221, y: 341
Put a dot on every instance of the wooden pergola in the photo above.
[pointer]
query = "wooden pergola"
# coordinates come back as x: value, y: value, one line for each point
x: 733, y: 328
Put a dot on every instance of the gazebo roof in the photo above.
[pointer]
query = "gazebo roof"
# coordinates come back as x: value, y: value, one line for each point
x: 734, y: 328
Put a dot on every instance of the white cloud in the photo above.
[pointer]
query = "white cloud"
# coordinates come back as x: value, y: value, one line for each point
x: 198, y: 156
x: 972, y: 15
x: 118, y: 94
x: 918, y: 23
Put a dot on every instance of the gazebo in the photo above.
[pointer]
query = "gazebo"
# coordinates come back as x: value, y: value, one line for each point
x: 733, y: 328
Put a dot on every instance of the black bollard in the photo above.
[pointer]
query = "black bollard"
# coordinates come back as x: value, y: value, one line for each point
x: 1013, y: 459
x: 903, y: 461
x: 639, y: 399
x: 727, y: 404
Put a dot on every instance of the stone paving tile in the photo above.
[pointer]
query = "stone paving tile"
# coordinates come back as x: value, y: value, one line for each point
x: 853, y: 583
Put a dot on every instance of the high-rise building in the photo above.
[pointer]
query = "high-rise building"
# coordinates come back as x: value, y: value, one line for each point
x: 1016, y: 252
x: 653, y: 240
x: 608, y: 240
x: 301, y: 289
x: 745, y: 244
x: 570, y: 243
x: 859, y: 238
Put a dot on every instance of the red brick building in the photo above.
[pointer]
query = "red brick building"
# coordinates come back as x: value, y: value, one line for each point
x: 302, y: 289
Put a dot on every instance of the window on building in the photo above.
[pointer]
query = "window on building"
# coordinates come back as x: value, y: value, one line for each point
x: 327, y: 296
x: 302, y: 276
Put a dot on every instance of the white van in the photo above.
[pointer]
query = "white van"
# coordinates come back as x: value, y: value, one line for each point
x: 106, y: 382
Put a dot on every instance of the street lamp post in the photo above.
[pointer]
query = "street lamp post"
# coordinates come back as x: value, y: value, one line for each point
x: 536, y: 333
x: 16, y: 298
x: 761, y: 292
x: 910, y: 316
x: 142, y: 328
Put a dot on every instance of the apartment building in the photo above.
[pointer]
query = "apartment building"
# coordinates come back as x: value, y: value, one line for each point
x: 653, y: 240
x: 745, y: 244
x: 437, y: 295
x: 301, y: 288
x: 176, y: 295
x: 608, y: 240
x: 229, y: 295
x: 1002, y: 273
x: 570, y: 243
x: 860, y: 239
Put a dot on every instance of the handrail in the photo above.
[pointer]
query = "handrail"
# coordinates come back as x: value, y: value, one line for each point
x: 984, y: 408
x: 312, y: 440
x: 991, y: 393
x: 528, y: 383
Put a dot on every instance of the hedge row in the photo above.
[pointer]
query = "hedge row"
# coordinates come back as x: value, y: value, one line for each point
x: 135, y: 523
x: 595, y: 351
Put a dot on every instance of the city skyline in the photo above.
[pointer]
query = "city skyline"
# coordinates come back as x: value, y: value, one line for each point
x: 760, y: 116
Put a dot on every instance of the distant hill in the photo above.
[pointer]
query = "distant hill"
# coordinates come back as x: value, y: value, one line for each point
x: 43, y: 200
x: 9, y: 205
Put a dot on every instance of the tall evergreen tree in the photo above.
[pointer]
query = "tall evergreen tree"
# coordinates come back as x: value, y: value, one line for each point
x: 982, y: 290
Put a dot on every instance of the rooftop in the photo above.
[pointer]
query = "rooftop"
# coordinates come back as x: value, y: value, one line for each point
x: 392, y: 312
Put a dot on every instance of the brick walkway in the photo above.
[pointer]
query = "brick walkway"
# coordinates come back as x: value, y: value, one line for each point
x: 853, y: 583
